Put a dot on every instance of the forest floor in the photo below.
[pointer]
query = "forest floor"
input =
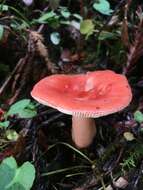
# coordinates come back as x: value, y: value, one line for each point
x: 41, y: 38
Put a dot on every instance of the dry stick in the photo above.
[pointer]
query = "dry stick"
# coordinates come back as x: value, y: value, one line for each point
x: 139, y: 175
x: 17, y: 70
x: 12, y: 100
x: 24, y: 76
x: 8, y: 80
x: 18, y: 74
x: 125, y: 33
x: 81, y: 7
x: 27, y: 70
x: 27, y: 61
x: 40, y: 28
x: 37, y: 40
x: 116, y: 162
x: 55, y: 117
x: 49, y: 111
x: 136, y: 50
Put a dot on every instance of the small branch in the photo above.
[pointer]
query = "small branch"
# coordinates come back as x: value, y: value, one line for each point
x: 135, y: 51
x: 8, y: 80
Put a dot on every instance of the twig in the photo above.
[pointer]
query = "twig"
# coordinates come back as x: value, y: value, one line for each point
x: 103, y: 184
x: 53, y: 118
x: 49, y: 111
x: 136, y: 49
x: 8, y: 80
x: 81, y: 7
x: 19, y: 73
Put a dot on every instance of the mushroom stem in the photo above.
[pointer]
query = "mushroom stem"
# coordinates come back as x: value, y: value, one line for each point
x: 83, y: 131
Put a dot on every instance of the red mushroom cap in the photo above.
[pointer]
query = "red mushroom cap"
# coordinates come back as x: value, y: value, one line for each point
x: 93, y: 94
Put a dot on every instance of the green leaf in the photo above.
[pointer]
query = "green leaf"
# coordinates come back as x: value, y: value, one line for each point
x: 4, y: 124
x: 46, y: 16
x: 18, y: 106
x: 27, y: 113
x: 65, y: 13
x: 7, y: 172
x: 1, y: 31
x: 138, y: 116
x: 66, y: 22
x: 3, y: 7
x: 14, y: 178
x: 10, y: 162
x: 12, y: 135
x: 4, y: 69
x: 16, y: 186
x: 79, y: 17
x: 31, y: 106
x: 24, y: 176
x: 106, y: 35
x: 103, y: 7
x: 55, y: 38
x: 75, y: 24
x: 87, y: 27
x: 24, y: 108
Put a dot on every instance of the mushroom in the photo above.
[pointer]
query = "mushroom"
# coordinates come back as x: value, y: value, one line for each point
x: 85, y: 97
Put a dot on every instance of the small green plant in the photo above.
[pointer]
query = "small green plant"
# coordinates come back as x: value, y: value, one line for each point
x: 131, y: 160
x: 19, y: 20
x: 55, y: 19
x: 13, y: 177
x: 87, y: 27
x: 23, y: 109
